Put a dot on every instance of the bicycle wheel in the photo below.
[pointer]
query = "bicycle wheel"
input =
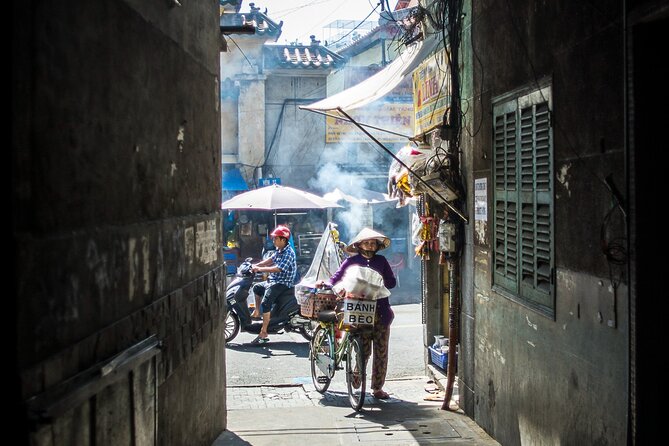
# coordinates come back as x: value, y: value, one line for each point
x: 321, y: 358
x: 231, y: 326
x: 356, y: 376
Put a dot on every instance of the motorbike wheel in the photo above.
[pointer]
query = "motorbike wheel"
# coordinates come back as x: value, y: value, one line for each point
x: 308, y: 332
x: 231, y: 326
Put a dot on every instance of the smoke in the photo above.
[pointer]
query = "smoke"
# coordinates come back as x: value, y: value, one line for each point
x: 330, y: 176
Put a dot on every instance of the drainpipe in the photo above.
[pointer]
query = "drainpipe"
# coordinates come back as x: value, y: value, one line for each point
x: 450, y: 131
x: 453, y: 329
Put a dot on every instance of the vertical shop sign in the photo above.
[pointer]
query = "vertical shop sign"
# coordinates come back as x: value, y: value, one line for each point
x: 431, y: 92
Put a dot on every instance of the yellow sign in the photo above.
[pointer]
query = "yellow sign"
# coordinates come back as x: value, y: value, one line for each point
x: 431, y: 92
x: 394, y: 116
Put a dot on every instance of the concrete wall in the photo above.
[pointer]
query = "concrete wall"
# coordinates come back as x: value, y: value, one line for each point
x: 243, y: 102
x: 294, y: 138
x: 375, y: 53
x: 116, y: 195
x: 527, y: 378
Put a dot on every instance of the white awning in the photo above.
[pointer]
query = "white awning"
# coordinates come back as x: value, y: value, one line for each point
x: 382, y: 83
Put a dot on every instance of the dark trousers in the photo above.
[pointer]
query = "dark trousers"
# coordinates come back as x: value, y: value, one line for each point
x: 377, y: 341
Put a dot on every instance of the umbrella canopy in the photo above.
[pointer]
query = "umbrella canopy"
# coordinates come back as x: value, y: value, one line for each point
x: 276, y: 197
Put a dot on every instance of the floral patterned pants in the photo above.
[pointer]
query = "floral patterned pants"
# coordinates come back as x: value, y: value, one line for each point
x: 377, y: 341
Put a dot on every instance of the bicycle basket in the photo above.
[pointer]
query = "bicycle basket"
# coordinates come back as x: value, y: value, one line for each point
x: 322, y: 301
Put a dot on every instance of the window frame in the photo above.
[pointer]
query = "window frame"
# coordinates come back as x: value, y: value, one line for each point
x: 529, y: 277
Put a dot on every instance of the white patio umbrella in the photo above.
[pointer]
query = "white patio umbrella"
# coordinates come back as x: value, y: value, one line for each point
x: 277, y: 197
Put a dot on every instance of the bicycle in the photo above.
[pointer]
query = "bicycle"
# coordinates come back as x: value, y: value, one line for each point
x: 327, y: 352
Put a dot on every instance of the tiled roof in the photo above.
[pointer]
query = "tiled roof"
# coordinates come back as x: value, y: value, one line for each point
x: 263, y: 25
x: 313, y: 56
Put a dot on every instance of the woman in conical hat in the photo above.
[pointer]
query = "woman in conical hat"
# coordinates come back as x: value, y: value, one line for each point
x: 364, y: 248
x: 367, y: 234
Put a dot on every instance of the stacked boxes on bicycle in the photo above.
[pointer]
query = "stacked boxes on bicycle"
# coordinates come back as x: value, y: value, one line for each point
x: 314, y: 303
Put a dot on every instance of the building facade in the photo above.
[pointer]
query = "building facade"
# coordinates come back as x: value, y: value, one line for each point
x: 550, y: 315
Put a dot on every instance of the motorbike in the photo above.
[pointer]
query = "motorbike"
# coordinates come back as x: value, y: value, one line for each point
x: 285, y: 314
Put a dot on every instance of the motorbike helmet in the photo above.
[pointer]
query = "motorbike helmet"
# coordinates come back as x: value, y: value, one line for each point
x: 281, y: 231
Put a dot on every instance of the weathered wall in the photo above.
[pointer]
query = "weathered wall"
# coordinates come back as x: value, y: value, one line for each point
x: 251, y: 127
x: 530, y: 379
x: 375, y: 54
x: 116, y: 190
x: 243, y: 102
x: 294, y: 138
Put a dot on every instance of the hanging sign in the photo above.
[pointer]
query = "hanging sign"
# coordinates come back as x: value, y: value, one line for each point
x: 431, y: 92
x: 359, y: 312
x: 268, y: 181
x: 395, y: 115
x: 481, y: 199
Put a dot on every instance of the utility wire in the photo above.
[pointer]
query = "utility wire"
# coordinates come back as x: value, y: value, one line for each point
x: 356, y: 27
x: 242, y: 51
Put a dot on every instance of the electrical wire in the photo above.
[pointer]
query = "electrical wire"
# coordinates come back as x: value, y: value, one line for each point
x: 356, y: 27
x: 242, y: 51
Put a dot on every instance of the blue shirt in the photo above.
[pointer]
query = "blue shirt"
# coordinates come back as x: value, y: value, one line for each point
x: 286, y: 261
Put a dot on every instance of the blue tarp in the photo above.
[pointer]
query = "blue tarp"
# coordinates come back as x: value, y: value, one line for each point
x: 233, y: 180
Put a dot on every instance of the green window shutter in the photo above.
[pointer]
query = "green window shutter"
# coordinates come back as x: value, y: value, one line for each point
x: 536, y: 204
x: 506, y: 197
x: 523, y: 200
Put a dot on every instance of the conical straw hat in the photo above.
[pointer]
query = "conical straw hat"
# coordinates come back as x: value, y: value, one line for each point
x: 367, y: 234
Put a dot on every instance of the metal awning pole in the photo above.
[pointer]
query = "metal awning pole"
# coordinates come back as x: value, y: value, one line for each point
x: 366, y: 125
x: 456, y: 211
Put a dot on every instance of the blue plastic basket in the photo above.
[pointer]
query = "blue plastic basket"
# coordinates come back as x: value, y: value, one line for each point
x: 440, y: 359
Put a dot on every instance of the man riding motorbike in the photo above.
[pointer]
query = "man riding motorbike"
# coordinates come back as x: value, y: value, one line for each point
x: 281, y: 266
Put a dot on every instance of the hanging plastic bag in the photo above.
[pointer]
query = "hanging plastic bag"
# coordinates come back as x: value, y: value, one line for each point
x: 416, y: 227
x: 327, y: 259
x: 414, y: 158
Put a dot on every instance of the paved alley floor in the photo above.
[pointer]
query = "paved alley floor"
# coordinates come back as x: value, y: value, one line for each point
x: 297, y: 414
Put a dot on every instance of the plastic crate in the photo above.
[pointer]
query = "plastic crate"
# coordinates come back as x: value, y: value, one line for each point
x: 231, y: 260
x: 440, y: 359
x: 317, y: 303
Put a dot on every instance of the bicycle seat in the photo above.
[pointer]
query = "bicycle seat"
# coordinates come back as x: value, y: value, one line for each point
x: 327, y: 316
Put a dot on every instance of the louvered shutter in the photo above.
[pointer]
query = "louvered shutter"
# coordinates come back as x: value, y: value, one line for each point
x: 505, y: 200
x: 523, y: 200
x: 535, y: 202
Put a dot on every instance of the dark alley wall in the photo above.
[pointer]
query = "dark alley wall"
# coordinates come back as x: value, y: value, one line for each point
x: 558, y: 376
x: 115, y: 212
